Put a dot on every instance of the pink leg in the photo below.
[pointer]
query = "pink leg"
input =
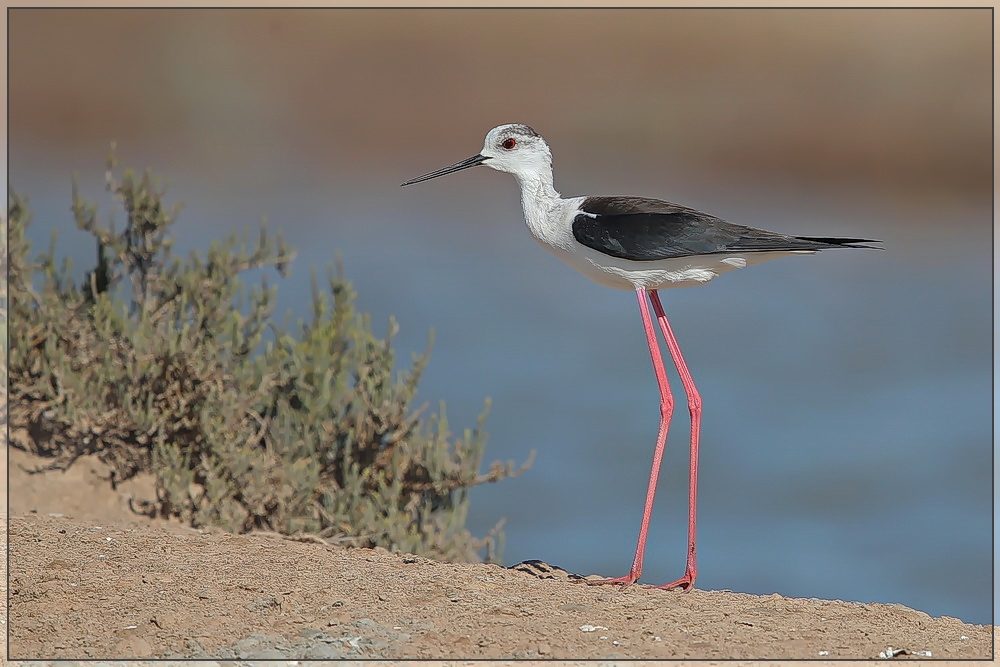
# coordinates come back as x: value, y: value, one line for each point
x: 666, y: 410
x: 694, y: 405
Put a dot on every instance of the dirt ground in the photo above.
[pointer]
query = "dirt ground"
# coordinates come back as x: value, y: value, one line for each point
x: 91, y: 580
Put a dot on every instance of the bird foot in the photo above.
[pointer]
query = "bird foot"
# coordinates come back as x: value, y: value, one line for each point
x: 685, y: 583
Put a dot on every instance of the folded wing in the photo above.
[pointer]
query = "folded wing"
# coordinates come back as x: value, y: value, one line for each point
x: 641, y: 229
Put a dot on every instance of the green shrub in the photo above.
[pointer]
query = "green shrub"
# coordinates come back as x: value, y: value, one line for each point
x: 174, y: 366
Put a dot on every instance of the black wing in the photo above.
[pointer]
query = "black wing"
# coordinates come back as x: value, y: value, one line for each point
x: 642, y: 229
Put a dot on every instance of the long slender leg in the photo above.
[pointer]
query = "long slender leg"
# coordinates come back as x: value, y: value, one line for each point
x: 666, y: 411
x: 694, y: 405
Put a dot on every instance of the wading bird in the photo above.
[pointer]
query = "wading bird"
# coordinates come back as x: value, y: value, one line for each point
x: 643, y: 245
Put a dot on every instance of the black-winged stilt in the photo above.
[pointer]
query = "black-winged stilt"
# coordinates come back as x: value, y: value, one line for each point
x: 642, y: 245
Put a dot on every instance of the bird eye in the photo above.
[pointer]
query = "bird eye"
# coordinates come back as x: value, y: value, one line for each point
x: 508, y: 143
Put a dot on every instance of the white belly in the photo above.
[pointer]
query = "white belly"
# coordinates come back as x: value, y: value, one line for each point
x: 659, y: 274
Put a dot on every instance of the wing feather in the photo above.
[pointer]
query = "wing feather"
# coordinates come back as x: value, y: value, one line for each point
x: 642, y: 229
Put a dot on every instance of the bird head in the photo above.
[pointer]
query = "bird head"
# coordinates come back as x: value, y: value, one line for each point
x: 515, y: 148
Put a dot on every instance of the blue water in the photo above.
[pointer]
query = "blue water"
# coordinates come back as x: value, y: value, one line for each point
x: 847, y: 435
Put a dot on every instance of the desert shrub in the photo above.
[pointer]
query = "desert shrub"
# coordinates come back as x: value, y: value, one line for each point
x: 173, y: 365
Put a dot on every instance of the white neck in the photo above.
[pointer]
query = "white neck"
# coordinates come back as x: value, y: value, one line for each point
x: 541, y: 203
x: 537, y: 187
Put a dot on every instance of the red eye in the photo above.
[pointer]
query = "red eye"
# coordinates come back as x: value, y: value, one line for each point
x: 508, y: 143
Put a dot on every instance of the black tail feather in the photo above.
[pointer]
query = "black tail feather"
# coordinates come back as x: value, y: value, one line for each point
x: 842, y: 242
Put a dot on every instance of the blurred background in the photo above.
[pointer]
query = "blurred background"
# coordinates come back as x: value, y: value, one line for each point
x: 847, y: 436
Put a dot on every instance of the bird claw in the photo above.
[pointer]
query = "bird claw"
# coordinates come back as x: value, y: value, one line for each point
x: 685, y: 583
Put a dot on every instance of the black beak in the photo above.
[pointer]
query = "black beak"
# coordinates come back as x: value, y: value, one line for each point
x: 473, y: 161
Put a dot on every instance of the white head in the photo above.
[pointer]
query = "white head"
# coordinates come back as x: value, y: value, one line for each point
x: 515, y: 148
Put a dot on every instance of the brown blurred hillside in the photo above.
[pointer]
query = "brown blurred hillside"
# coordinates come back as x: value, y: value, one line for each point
x: 892, y: 99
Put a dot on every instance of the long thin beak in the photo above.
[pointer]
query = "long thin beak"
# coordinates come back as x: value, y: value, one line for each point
x: 458, y: 166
